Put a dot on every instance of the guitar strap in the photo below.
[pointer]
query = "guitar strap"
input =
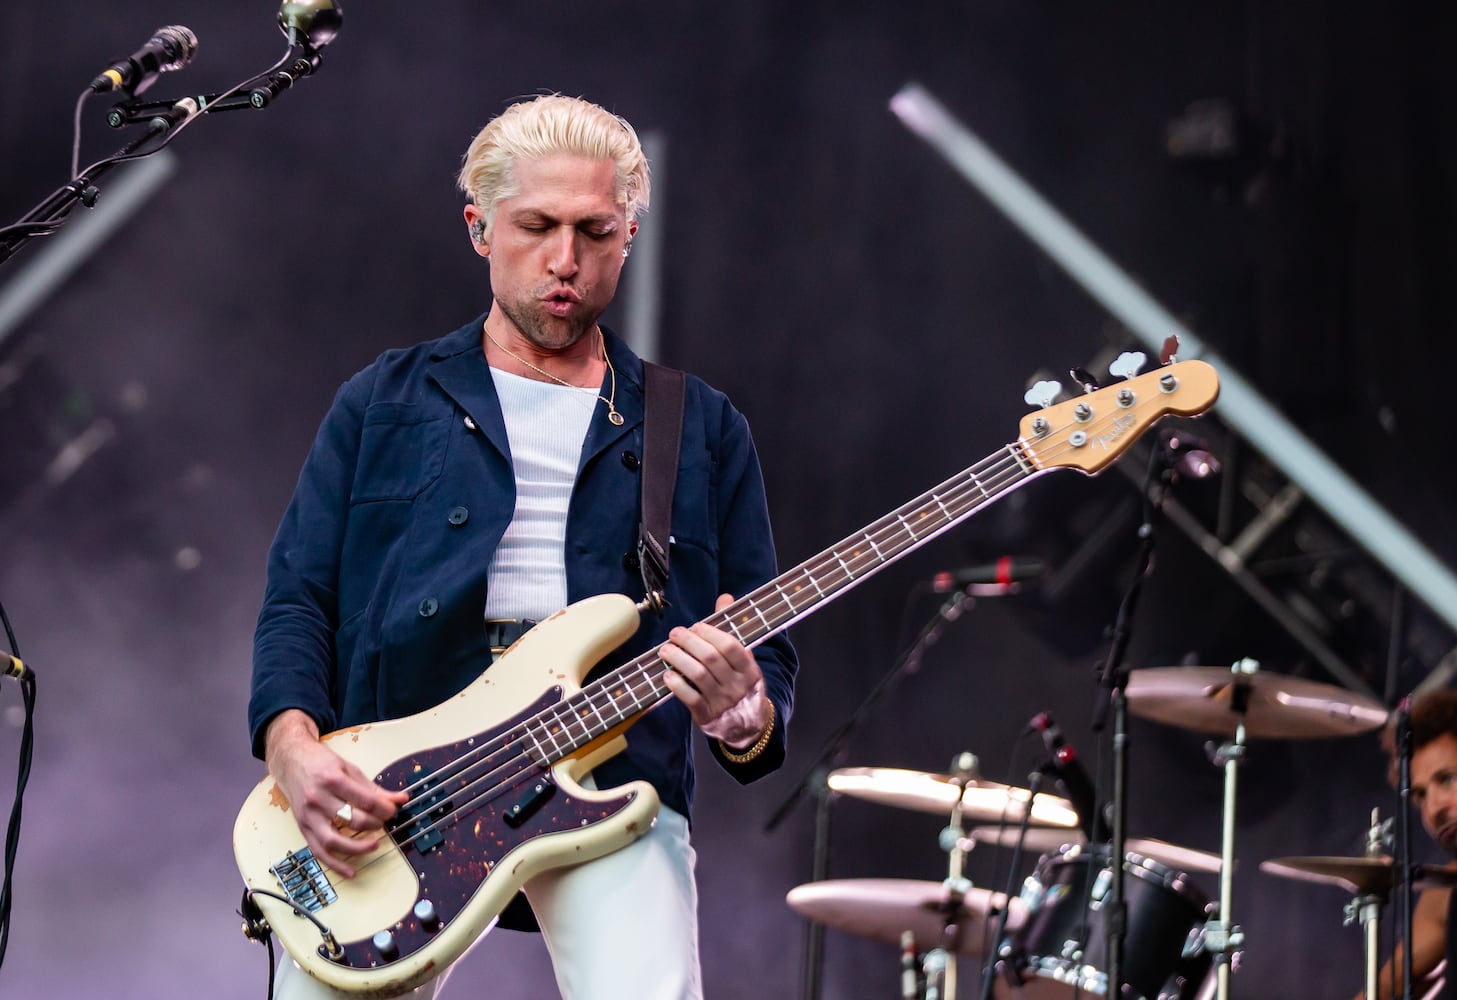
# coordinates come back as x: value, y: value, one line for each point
x: 663, y: 390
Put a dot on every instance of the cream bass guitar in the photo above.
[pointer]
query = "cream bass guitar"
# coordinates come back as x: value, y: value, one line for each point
x: 494, y: 774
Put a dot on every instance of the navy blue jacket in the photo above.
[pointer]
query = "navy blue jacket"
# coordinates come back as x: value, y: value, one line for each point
x: 377, y: 577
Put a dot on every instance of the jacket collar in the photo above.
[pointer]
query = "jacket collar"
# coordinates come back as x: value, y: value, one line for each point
x: 458, y: 365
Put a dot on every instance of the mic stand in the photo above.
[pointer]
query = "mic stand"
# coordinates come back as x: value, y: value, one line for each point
x: 1403, y: 840
x: 50, y: 213
x: 160, y: 117
x: 815, y: 780
x: 1114, y: 678
x: 989, y: 971
x: 257, y: 98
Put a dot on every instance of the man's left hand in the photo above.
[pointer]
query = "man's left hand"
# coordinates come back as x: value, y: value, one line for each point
x: 718, y: 680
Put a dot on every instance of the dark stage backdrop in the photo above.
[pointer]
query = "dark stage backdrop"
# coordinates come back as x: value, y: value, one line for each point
x: 872, y: 315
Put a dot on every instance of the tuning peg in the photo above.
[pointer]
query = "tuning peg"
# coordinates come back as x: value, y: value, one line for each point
x: 1043, y: 393
x: 1128, y: 364
x: 1170, y: 351
x: 1082, y: 378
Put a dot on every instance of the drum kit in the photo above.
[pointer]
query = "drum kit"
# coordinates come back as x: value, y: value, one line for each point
x: 1051, y: 942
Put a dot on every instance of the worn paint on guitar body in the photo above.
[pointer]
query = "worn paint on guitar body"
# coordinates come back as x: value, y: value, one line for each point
x: 480, y: 861
x: 535, y: 694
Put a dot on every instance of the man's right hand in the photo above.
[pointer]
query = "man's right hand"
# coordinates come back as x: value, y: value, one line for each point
x: 318, y: 783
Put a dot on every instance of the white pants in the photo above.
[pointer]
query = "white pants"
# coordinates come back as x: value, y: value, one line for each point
x: 623, y: 927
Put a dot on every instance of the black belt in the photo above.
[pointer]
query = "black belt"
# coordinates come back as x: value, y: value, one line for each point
x: 501, y: 633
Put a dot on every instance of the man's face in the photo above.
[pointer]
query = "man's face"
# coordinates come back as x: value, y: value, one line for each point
x: 556, y: 248
x: 1434, y: 789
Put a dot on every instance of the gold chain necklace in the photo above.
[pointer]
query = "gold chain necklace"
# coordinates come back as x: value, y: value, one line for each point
x: 613, y: 416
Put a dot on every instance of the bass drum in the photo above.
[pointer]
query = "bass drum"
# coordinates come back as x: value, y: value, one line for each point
x: 1061, y: 949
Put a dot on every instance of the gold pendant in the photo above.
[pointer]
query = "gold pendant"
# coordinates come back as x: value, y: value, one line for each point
x: 615, y: 418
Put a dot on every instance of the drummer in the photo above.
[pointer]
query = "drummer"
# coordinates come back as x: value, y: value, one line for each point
x: 1434, y: 791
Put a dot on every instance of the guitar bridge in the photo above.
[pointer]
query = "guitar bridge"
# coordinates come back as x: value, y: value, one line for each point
x: 304, y: 881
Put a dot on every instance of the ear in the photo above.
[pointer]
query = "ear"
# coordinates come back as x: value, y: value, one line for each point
x: 475, y: 221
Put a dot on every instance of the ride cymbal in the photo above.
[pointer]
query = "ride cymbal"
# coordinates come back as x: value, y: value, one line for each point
x: 1203, y: 699
x: 1358, y: 876
x: 882, y: 909
x: 981, y: 801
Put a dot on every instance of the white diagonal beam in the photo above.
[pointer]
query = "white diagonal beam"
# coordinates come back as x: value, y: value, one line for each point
x: 53, y: 258
x: 1240, y: 405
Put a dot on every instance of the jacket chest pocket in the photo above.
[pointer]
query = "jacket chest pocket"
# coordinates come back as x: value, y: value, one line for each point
x: 402, y: 450
x: 695, y: 502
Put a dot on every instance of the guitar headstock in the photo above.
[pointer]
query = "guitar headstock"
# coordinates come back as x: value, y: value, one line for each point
x: 1091, y: 430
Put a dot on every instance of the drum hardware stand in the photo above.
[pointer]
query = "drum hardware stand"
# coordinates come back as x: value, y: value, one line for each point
x: 1366, y: 908
x: 1223, y: 938
x: 815, y: 779
x: 940, y: 962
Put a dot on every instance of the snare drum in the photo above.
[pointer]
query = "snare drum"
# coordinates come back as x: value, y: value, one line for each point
x: 1062, y: 946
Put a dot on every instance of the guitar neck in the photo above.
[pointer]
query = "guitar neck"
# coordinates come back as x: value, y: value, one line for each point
x: 612, y: 701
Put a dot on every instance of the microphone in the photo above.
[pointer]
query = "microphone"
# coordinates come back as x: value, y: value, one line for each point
x: 1189, y: 455
x: 170, y: 48
x: 1006, y: 573
x: 1071, y: 774
x: 313, y: 23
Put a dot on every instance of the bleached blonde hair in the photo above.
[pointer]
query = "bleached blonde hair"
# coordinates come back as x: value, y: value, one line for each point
x: 541, y: 127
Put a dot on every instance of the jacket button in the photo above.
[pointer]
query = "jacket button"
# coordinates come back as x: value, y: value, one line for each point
x: 458, y: 515
x: 428, y: 607
x: 630, y: 460
x: 631, y: 562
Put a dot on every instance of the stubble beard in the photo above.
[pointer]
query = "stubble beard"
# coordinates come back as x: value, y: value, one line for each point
x: 547, y: 332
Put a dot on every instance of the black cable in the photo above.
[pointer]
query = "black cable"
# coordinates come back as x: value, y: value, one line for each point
x: 331, y: 943
x: 29, y: 229
x: 80, y: 180
x: 994, y: 929
x: 255, y: 928
x: 76, y: 131
x: 27, y: 747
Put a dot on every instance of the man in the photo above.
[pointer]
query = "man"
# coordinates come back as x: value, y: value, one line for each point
x: 462, y: 488
x: 1434, y: 792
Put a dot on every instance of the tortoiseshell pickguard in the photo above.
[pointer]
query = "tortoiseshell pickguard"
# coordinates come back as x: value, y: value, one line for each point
x: 475, y: 841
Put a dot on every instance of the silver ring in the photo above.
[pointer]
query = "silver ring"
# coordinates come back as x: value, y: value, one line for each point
x: 345, y: 814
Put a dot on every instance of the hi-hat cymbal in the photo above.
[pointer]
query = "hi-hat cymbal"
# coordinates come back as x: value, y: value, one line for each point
x: 981, y: 801
x: 1357, y: 876
x: 884, y: 908
x: 1050, y: 841
x: 1199, y: 698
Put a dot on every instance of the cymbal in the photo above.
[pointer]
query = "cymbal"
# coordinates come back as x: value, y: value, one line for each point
x: 1357, y: 876
x: 1050, y: 841
x: 1198, y: 698
x: 981, y: 801
x: 884, y: 908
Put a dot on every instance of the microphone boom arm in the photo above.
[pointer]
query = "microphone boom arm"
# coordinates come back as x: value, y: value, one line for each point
x: 255, y: 99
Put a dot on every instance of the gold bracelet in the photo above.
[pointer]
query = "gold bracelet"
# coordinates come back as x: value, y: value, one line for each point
x: 744, y: 756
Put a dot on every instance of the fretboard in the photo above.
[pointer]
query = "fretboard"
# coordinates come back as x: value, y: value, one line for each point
x: 613, y: 700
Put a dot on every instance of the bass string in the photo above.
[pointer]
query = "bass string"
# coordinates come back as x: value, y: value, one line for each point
x: 988, y: 479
